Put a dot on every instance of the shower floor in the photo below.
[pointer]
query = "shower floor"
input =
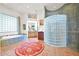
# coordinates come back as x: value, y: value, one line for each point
x: 48, y: 51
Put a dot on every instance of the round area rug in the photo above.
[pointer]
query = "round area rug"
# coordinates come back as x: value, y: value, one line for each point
x: 29, y: 49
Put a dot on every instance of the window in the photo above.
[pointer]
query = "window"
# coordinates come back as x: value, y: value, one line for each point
x: 8, y: 25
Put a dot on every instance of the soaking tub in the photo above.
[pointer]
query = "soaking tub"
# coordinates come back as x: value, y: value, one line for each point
x: 8, y: 40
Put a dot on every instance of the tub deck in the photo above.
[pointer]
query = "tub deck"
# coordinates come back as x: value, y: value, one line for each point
x: 9, y: 40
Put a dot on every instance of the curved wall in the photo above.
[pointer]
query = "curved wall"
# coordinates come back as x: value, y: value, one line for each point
x: 55, y: 30
x: 72, y: 13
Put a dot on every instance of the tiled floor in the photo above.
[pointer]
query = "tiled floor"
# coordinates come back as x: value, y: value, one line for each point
x: 48, y: 51
x: 0, y: 51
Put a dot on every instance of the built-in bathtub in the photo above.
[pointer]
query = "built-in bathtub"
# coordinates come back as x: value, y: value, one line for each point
x: 8, y: 40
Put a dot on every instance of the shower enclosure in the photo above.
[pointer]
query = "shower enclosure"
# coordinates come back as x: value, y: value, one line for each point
x: 55, y: 30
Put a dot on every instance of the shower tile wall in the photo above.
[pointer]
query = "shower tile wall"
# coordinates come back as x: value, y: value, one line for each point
x: 72, y: 12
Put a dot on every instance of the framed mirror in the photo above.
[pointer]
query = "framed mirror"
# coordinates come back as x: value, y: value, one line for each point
x: 32, y: 29
x: 32, y: 26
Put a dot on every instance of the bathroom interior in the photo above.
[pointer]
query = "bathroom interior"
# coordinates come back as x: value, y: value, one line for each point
x: 39, y: 29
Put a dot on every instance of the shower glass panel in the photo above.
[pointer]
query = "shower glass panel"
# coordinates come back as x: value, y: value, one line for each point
x: 55, y: 30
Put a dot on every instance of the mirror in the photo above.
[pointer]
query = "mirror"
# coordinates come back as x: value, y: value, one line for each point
x: 32, y: 29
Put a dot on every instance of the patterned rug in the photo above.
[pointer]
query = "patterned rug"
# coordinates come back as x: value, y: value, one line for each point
x: 29, y: 48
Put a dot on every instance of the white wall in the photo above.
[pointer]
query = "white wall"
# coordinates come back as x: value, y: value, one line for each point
x: 23, y: 17
x: 8, y: 11
x: 40, y: 13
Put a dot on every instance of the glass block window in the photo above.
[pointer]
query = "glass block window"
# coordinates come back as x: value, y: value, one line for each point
x: 8, y: 24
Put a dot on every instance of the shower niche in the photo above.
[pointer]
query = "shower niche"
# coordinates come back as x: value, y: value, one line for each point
x: 55, y: 30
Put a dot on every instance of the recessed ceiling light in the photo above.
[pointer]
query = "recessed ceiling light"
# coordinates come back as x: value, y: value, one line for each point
x: 28, y: 7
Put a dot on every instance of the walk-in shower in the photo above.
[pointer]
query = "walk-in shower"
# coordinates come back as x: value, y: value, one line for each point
x: 55, y: 30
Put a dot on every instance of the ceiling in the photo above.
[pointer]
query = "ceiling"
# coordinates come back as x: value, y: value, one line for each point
x: 32, y: 7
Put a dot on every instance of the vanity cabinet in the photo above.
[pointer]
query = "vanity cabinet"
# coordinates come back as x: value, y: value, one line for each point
x: 40, y: 35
